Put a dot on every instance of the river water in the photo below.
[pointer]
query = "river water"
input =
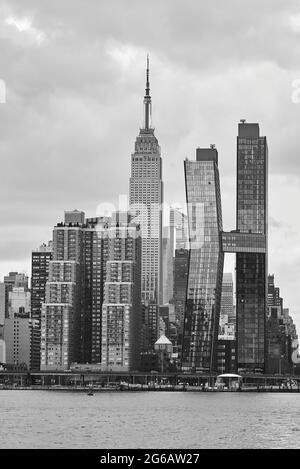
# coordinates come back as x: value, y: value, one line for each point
x: 54, y: 419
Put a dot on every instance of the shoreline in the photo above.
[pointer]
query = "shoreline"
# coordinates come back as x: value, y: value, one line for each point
x: 114, y: 389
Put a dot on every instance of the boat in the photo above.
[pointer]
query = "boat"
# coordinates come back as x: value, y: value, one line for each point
x: 91, y: 390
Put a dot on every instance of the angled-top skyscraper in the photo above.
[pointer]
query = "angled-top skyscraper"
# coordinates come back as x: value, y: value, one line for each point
x: 201, y: 320
x: 145, y: 199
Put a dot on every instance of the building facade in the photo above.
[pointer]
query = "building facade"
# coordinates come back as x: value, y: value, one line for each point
x: 16, y: 279
x: 121, y: 310
x: 251, y: 267
x: 19, y: 302
x: 3, y: 303
x: 40, y: 260
x: 21, y: 336
x: 72, y: 312
x: 227, y: 313
x: 226, y: 356
x: 281, y: 335
x: 206, y: 259
x: 181, y: 263
x: 145, y: 199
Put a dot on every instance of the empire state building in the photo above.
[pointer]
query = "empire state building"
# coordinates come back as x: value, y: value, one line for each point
x: 145, y: 199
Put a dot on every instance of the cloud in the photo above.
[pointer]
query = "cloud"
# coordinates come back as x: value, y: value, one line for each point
x: 75, y: 79
x: 29, y: 34
x: 294, y: 21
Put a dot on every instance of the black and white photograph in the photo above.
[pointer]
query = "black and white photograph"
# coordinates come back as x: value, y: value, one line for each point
x: 149, y: 228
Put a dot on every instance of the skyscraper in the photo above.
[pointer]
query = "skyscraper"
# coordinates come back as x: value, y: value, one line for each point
x: 205, y: 261
x: 95, y: 255
x: 251, y: 267
x: 121, y: 310
x: 208, y: 244
x: 145, y: 198
x: 60, y: 319
x: 72, y: 312
x: 40, y: 260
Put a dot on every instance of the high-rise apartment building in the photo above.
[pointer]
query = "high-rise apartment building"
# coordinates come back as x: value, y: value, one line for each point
x: 40, y: 260
x: 205, y: 262
x: 72, y: 312
x: 60, y: 317
x: 251, y: 267
x: 121, y: 310
x: 21, y: 336
x: 93, y: 275
x: 145, y: 198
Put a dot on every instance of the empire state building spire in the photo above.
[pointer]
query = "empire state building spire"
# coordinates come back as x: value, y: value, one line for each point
x: 145, y: 200
x: 147, y: 100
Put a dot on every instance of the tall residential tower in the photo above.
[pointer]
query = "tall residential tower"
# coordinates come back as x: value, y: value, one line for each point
x: 251, y: 266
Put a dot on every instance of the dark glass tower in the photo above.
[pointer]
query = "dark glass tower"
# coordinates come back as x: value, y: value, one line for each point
x: 206, y: 259
x: 251, y: 267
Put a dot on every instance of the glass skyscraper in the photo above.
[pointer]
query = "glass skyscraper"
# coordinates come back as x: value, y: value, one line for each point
x: 251, y: 267
x: 206, y: 259
x: 208, y: 244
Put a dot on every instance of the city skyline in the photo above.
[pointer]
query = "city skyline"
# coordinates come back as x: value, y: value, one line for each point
x: 185, y: 95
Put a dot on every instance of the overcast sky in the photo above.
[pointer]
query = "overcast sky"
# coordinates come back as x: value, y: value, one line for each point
x: 74, y: 72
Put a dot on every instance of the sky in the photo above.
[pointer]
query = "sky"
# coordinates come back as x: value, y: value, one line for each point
x: 72, y: 81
